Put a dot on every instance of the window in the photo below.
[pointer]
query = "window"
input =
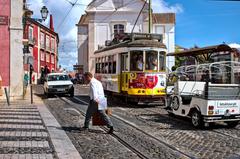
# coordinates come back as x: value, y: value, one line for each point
x: 124, y: 62
x: 30, y: 33
x: 136, y: 58
x: 162, y: 56
x: 52, y: 59
x: 47, y: 43
x: 118, y: 29
x: 159, y: 29
x: 52, y: 44
x: 42, y: 56
x: 151, y: 60
x: 47, y: 57
x: 42, y: 40
x: 114, y: 64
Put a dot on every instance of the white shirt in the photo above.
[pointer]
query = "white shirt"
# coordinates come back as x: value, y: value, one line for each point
x: 96, y: 90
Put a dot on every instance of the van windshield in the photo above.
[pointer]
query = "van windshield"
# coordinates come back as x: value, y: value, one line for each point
x: 58, y: 78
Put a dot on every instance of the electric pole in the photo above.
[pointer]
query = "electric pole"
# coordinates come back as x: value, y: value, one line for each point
x: 150, y: 17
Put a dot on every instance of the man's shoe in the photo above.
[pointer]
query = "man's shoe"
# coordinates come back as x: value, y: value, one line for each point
x: 110, y: 130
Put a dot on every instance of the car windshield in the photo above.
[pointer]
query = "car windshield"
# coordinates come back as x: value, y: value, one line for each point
x: 58, y: 78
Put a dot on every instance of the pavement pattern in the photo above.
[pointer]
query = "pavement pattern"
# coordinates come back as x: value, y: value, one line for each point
x: 23, y: 134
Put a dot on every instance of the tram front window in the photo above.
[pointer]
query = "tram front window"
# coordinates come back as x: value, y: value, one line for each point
x: 136, y: 60
x: 162, y: 56
x: 151, y: 60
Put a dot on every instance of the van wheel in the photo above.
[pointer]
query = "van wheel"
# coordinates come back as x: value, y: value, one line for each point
x: 232, y: 124
x: 196, y: 119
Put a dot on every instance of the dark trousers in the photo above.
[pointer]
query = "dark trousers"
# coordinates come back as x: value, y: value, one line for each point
x: 92, y: 108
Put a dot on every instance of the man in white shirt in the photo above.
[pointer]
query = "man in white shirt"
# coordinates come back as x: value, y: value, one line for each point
x: 96, y: 94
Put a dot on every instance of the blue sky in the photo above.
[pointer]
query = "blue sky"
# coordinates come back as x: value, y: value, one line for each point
x: 199, y: 22
x: 205, y: 22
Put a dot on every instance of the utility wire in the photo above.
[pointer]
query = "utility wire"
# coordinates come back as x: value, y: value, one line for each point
x: 67, y: 15
x: 138, y: 17
x: 82, y: 4
x: 104, y: 19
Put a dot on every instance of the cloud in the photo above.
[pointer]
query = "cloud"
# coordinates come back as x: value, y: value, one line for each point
x: 65, y: 25
x: 161, y: 6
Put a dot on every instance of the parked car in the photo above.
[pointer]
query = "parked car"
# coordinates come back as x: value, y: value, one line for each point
x: 58, y: 83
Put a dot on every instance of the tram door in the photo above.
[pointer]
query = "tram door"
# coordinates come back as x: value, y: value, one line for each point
x: 124, y: 72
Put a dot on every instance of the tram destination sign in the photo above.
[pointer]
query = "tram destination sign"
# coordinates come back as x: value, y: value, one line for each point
x: 3, y: 20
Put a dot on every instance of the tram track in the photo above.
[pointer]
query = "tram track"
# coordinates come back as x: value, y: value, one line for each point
x: 179, y: 152
x: 124, y: 143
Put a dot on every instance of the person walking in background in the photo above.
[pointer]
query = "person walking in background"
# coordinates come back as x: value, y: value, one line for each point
x: 96, y: 95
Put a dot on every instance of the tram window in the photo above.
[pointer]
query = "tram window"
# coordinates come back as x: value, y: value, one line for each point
x: 162, y: 56
x: 124, y: 62
x: 102, y: 68
x: 106, y: 68
x: 152, y: 60
x: 96, y: 66
x: 136, y: 58
x: 110, y: 67
x: 114, y: 67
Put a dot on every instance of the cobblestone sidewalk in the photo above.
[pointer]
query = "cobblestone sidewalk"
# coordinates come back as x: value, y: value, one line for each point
x: 31, y: 132
x: 23, y: 133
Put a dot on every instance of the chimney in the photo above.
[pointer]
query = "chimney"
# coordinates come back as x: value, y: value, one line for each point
x: 51, y: 23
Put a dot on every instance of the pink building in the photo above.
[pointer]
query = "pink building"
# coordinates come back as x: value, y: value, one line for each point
x: 5, y: 41
x: 11, y: 54
x: 43, y: 46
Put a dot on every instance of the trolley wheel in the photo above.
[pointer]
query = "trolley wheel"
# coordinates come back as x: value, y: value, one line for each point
x: 232, y: 124
x: 196, y: 119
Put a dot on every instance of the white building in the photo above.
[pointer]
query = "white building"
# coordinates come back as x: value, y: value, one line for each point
x: 103, y: 18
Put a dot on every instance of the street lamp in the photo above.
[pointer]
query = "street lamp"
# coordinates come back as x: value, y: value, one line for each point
x: 44, y: 13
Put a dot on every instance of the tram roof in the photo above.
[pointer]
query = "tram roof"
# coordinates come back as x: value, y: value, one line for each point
x: 203, y: 50
x: 135, y: 43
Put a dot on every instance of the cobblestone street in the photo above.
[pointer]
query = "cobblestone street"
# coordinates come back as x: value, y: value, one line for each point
x: 149, y: 130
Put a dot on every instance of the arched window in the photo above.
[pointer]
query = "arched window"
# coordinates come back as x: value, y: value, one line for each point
x: 118, y: 29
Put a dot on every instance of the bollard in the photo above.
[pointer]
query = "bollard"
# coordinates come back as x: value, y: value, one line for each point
x: 7, y: 96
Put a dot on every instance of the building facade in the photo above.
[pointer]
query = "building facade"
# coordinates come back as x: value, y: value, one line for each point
x: 104, y: 19
x: 43, y: 46
x: 11, y: 56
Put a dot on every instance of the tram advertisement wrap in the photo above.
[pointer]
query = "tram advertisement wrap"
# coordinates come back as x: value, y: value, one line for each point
x: 147, y: 84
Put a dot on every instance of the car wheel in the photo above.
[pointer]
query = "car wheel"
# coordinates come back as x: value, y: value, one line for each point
x: 72, y: 93
x: 232, y: 124
x: 196, y: 119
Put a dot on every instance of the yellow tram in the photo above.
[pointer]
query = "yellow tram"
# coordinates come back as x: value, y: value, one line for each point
x: 133, y: 66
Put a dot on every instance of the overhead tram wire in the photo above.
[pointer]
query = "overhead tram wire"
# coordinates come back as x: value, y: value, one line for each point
x: 82, y: 4
x: 138, y: 16
x: 104, y: 19
x: 62, y: 22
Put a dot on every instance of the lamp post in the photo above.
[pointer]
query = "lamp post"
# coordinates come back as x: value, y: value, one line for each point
x: 44, y: 13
